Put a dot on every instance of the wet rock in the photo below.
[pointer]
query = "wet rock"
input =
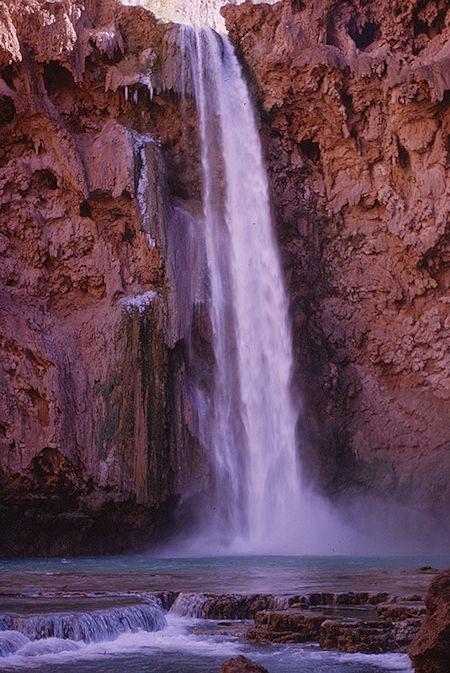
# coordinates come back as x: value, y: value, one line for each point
x: 404, y: 632
x: 286, y: 626
x: 241, y: 607
x: 351, y: 635
x: 241, y: 664
x: 226, y: 606
x: 336, y: 631
x: 347, y: 598
x: 401, y: 610
x: 430, y: 651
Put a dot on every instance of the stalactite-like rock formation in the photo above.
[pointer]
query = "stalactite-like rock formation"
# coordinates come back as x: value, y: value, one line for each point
x: 355, y: 118
x: 91, y: 456
x: 99, y: 163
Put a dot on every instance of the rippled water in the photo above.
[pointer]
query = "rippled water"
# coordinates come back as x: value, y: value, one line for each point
x: 243, y: 574
x: 185, y: 645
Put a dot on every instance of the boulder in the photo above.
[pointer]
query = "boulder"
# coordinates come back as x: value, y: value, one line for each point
x: 353, y: 635
x: 241, y: 664
x: 285, y: 626
x: 430, y: 651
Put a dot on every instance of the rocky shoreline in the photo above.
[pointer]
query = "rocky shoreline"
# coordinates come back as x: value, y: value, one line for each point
x: 387, y: 623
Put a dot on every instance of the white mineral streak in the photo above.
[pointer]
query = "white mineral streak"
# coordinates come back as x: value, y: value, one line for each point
x: 140, y: 141
x: 139, y: 301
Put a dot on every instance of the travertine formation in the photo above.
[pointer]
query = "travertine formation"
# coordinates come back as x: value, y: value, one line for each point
x: 91, y: 455
x: 241, y: 664
x: 96, y: 435
x: 355, y: 118
x: 430, y: 651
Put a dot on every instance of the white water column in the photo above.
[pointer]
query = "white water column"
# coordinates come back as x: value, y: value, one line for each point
x: 252, y: 419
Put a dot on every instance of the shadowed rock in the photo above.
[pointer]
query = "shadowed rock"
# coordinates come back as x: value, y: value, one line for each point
x: 241, y: 664
x: 286, y: 626
x: 430, y: 651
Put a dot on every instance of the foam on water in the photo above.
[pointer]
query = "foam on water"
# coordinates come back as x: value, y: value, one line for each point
x: 39, y: 648
x: 178, y: 642
x: 175, y: 637
x: 10, y: 641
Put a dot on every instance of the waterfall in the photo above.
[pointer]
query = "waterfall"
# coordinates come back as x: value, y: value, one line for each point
x: 11, y: 641
x: 94, y: 626
x: 250, y: 421
x: 190, y: 605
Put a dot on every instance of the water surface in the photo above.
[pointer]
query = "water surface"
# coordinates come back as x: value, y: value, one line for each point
x: 185, y: 645
x: 179, y: 649
x: 232, y: 574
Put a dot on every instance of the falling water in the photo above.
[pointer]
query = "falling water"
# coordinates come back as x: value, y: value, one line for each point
x: 251, y: 424
x: 94, y: 626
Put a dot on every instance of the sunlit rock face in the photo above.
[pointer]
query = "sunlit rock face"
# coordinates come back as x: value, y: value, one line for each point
x: 191, y: 12
x: 355, y: 119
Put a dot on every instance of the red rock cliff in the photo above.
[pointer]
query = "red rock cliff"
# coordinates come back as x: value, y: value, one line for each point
x: 96, y: 444
x: 91, y: 455
x: 354, y: 108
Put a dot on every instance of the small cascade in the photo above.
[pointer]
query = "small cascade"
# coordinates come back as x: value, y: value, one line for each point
x: 189, y: 605
x: 89, y: 627
x: 11, y: 641
x: 226, y: 606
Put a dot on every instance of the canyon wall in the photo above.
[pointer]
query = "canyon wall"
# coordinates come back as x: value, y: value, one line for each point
x: 100, y: 186
x: 92, y: 454
x: 354, y: 110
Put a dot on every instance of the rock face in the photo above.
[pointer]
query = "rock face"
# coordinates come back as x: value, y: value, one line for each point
x: 430, y: 651
x: 285, y: 626
x: 99, y: 165
x: 91, y: 452
x: 241, y: 664
x: 351, y: 635
x: 348, y: 622
x: 363, y: 633
x: 354, y: 106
